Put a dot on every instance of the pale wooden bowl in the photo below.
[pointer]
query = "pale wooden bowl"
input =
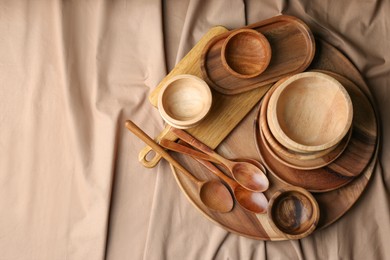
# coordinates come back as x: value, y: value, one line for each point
x: 246, y: 53
x: 293, y: 212
x: 293, y: 159
x: 184, y: 101
x: 309, y: 112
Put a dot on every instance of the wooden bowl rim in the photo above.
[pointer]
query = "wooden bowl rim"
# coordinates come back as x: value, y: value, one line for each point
x: 286, y: 156
x: 277, y: 130
x: 184, y: 124
x: 263, y: 124
x: 265, y: 46
x: 313, y: 202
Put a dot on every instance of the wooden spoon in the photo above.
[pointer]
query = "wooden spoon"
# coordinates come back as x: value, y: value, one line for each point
x: 255, y: 202
x: 213, y: 193
x: 246, y: 174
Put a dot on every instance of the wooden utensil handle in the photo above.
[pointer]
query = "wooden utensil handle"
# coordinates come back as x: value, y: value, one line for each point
x: 158, y: 149
x: 211, y: 167
x: 176, y: 147
x: 148, y: 163
x: 142, y: 156
x: 189, y: 139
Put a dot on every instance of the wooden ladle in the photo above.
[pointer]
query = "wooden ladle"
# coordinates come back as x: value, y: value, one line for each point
x: 246, y: 174
x: 255, y: 202
x: 214, y: 194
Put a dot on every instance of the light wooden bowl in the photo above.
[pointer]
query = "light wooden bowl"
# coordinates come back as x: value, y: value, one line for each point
x: 309, y: 112
x: 184, y: 101
x: 293, y: 159
x: 294, y: 212
x: 245, y: 53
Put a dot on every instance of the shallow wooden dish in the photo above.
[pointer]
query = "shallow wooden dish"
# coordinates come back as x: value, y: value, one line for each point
x: 309, y: 112
x: 245, y: 53
x: 293, y: 212
x: 184, y: 101
x: 293, y: 159
x: 275, y: 145
x: 292, y: 45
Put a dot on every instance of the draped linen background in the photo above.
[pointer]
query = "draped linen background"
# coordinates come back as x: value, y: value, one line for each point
x: 71, y: 73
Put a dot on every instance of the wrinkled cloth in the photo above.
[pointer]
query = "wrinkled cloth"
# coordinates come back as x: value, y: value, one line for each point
x: 72, y: 72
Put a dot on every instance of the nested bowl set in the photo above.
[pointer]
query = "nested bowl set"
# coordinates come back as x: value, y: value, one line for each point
x: 308, y: 126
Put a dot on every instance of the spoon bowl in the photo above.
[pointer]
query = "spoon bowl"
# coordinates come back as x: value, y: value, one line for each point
x: 216, y: 196
x: 255, y: 202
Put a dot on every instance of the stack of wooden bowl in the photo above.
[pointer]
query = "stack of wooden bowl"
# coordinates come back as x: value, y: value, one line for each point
x: 305, y: 120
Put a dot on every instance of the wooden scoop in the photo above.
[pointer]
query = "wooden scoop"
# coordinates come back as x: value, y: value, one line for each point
x: 213, y: 194
x: 245, y: 173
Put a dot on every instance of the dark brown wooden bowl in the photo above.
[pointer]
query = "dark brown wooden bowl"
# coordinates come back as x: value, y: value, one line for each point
x: 294, y: 212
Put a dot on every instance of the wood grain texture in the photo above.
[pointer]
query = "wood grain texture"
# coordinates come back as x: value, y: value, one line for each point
x: 293, y: 212
x: 299, y: 164
x: 245, y: 53
x: 309, y: 112
x: 147, y: 157
x: 255, y: 202
x: 303, y: 161
x: 333, y: 204
x: 225, y: 110
x: 292, y: 45
x: 247, y: 174
x: 351, y: 162
x: 184, y: 101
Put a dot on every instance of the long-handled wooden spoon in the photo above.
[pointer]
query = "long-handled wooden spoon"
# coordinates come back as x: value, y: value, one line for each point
x: 180, y: 148
x: 214, y: 194
x: 245, y: 173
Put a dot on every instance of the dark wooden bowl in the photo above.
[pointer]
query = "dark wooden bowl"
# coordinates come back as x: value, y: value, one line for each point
x: 294, y: 212
x: 246, y: 53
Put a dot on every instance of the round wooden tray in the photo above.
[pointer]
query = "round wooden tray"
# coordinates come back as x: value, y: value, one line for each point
x: 241, y: 144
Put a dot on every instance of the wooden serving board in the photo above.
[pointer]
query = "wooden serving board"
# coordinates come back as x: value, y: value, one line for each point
x: 241, y: 144
x: 292, y: 45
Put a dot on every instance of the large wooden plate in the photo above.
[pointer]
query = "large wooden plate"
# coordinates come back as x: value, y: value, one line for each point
x: 292, y: 45
x: 241, y: 143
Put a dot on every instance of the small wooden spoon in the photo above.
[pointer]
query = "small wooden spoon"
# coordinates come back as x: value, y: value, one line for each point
x: 246, y: 174
x: 213, y: 193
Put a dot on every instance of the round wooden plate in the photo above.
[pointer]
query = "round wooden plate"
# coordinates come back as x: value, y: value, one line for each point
x: 351, y: 162
x: 333, y: 204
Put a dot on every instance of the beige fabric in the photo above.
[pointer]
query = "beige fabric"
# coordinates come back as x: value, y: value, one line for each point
x: 71, y: 186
